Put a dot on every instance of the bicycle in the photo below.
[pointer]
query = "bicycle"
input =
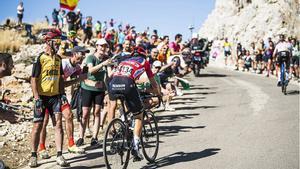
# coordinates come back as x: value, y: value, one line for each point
x: 118, y: 138
x: 283, y: 71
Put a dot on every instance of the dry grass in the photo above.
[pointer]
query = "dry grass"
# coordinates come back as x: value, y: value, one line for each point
x: 11, y: 40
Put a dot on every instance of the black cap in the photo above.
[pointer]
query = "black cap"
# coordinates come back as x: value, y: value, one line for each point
x: 80, y: 49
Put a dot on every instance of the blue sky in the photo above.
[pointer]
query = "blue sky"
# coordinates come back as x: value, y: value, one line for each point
x: 167, y: 16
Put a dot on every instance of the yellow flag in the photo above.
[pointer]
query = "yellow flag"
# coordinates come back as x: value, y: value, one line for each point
x: 69, y: 4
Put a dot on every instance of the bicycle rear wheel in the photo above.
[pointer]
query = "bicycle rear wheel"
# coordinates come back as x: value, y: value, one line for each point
x: 116, y: 146
x: 282, y: 78
x: 150, y: 137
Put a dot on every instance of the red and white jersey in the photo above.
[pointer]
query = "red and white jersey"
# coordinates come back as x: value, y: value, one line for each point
x: 133, y: 68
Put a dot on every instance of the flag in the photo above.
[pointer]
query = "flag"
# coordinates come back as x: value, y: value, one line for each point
x: 68, y: 4
x: 184, y: 83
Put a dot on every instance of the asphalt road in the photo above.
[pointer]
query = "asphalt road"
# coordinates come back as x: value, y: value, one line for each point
x: 227, y: 120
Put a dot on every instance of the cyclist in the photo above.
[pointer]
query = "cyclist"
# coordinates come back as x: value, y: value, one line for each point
x: 71, y: 68
x: 282, y: 50
x: 123, y: 82
x: 47, y: 86
x: 227, y: 50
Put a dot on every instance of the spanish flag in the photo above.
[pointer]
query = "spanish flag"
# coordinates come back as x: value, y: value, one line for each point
x: 69, y: 4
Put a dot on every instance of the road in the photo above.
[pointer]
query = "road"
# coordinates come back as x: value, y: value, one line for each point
x: 227, y: 120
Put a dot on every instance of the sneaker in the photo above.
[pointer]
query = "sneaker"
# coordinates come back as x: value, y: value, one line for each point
x: 33, y: 162
x: 137, y: 156
x: 76, y: 150
x: 179, y: 92
x: 95, y: 142
x: 62, y: 162
x: 44, y: 154
x: 79, y: 142
x: 278, y: 83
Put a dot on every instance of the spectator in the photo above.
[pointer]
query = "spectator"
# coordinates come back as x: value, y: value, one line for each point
x: 47, y: 20
x: 61, y: 16
x: 267, y: 57
x: 98, y: 27
x: 71, y: 69
x: 93, y: 90
x: 71, y: 18
x: 259, y: 56
x: 55, y: 18
x: 175, y: 46
x: 163, y: 54
x: 153, y: 42
x: 239, y: 54
x: 295, y: 58
x: 165, y: 41
x: 47, y: 89
x: 121, y: 36
x: 6, y: 64
x: 253, y: 53
x: 78, y: 20
x: 88, y: 31
x: 111, y: 23
x: 104, y: 26
x: 20, y: 13
x: 247, y: 61
x: 153, y: 55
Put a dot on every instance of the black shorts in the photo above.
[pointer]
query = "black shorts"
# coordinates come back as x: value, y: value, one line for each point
x: 258, y: 58
x: 266, y: 58
x: 89, y: 97
x: 295, y: 61
x: 20, y: 17
x: 283, y: 57
x: 227, y: 53
x: 126, y: 86
x: 51, y: 103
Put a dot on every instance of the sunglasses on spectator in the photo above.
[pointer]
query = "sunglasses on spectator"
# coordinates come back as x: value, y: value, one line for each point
x: 157, y: 67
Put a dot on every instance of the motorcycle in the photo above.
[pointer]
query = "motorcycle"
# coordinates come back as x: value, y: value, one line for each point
x: 198, y: 60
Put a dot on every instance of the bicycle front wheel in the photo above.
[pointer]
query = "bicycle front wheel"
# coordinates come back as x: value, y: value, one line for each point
x: 150, y: 137
x: 116, y: 146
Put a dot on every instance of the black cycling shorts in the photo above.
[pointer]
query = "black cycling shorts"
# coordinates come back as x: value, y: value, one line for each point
x: 125, y: 86
x: 89, y: 97
x: 283, y: 57
x: 227, y: 53
x: 51, y: 103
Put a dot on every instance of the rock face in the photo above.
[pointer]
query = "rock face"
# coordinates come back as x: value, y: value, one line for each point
x: 248, y: 21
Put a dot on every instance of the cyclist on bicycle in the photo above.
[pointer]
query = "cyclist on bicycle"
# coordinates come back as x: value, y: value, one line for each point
x: 123, y: 82
x: 283, y: 53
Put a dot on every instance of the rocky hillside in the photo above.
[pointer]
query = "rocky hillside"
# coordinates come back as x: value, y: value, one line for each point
x: 249, y: 20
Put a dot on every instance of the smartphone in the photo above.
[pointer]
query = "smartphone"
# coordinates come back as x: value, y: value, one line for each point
x: 85, y: 69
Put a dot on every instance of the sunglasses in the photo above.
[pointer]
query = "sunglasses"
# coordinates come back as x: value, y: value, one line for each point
x: 157, y: 67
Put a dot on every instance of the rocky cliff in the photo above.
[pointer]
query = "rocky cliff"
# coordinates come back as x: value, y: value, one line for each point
x: 249, y: 20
